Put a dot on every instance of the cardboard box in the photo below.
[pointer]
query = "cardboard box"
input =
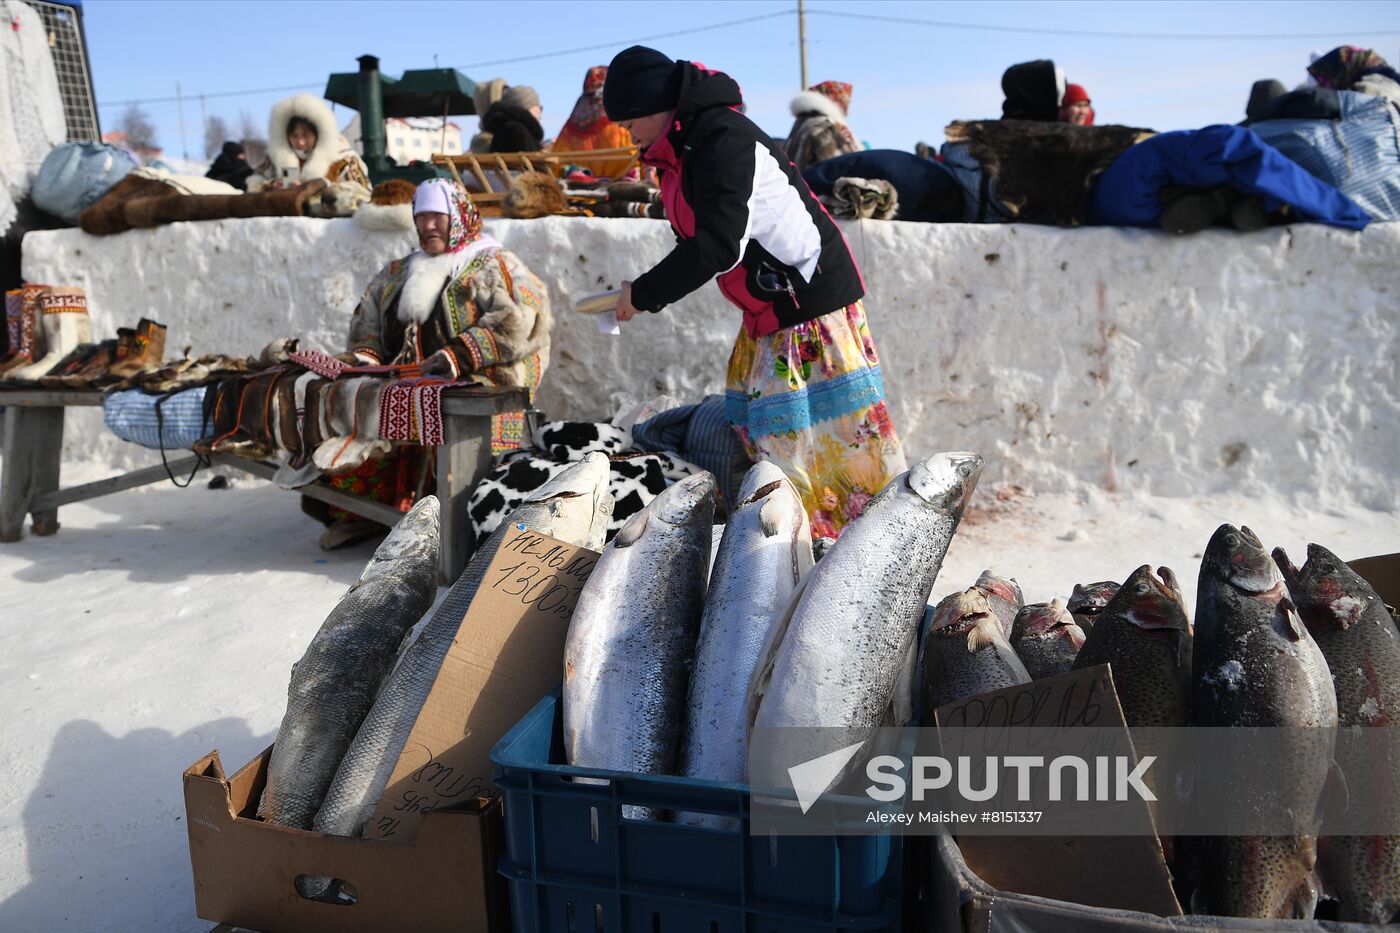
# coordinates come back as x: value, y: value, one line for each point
x: 1383, y: 573
x: 244, y: 869
x: 508, y: 653
x: 1118, y: 872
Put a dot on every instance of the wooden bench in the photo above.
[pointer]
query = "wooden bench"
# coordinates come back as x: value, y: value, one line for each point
x: 33, y: 449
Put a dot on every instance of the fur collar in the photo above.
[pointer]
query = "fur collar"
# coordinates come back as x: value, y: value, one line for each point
x: 427, y: 276
x: 812, y: 102
x: 328, y: 142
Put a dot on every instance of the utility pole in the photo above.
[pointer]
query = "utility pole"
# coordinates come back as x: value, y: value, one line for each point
x: 802, y: 40
x: 180, y: 102
x: 204, y: 123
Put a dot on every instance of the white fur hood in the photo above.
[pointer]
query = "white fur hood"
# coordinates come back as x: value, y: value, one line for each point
x: 329, y: 144
x: 810, y: 101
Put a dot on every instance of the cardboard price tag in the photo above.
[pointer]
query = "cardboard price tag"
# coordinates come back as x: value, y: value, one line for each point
x: 507, y: 654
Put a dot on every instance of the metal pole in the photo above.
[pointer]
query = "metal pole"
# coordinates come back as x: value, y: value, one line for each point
x: 204, y: 125
x: 180, y: 101
x: 802, y: 40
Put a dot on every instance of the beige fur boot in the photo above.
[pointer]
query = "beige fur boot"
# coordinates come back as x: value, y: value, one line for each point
x: 65, y: 323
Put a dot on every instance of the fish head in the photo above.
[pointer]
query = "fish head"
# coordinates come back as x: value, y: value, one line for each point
x: 761, y: 479
x: 1089, y: 599
x: 689, y: 501
x: 578, y: 500
x: 1045, y: 619
x: 1236, y: 557
x: 1005, y: 588
x: 959, y: 613
x: 946, y: 480
x: 1150, y: 602
x: 418, y: 529
x: 1327, y: 592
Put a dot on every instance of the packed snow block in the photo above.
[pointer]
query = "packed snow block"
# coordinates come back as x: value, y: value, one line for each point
x: 1075, y: 360
x: 245, y: 869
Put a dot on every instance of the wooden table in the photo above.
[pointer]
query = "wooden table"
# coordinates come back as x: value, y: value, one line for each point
x: 33, y: 448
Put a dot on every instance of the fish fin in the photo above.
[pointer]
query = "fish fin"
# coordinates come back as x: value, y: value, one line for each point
x: 1076, y: 636
x: 1292, y: 623
x: 628, y: 534
x: 1336, y: 796
x: 770, y: 516
x: 982, y: 636
x: 763, y: 670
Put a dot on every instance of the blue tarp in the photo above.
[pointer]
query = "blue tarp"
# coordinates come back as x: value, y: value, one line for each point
x: 1128, y: 194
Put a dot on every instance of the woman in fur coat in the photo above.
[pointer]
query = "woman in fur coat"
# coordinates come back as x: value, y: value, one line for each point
x: 460, y: 307
x: 820, y: 132
x: 303, y: 143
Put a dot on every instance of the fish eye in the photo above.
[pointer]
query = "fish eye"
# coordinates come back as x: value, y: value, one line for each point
x: 1231, y: 540
x: 1143, y: 588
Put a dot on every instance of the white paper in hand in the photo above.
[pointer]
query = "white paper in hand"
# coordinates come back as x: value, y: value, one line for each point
x: 607, y: 324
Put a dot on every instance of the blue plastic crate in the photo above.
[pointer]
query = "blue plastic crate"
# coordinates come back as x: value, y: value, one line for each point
x: 575, y: 865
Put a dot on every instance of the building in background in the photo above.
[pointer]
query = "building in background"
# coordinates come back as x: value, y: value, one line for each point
x: 68, y: 44
x: 412, y: 139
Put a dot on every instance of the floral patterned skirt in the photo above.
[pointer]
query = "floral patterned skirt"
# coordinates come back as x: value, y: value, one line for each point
x: 811, y: 399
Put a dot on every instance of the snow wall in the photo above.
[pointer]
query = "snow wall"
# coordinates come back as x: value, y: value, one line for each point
x: 1118, y: 359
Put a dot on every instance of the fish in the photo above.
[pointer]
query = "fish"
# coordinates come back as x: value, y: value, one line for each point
x: 764, y: 553
x: 1046, y: 638
x: 573, y: 507
x: 1144, y: 635
x: 965, y: 652
x: 1004, y: 598
x: 1255, y: 665
x: 1087, y: 600
x: 1356, y: 634
x: 632, y: 639
x: 840, y: 652
x: 334, y: 684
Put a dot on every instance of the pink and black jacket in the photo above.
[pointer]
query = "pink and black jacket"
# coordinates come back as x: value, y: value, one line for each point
x: 743, y: 215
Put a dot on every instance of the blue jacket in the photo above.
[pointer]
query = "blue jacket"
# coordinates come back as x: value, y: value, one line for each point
x: 920, y: 183
x: 1128, y: 194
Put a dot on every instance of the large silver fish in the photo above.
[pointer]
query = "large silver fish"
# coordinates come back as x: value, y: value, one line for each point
x: 632, y: 638
x: 842, y: 651
x: 1254, y: 664
x: 573, y: 507
x: 334, y: 683
x: 765, y: 552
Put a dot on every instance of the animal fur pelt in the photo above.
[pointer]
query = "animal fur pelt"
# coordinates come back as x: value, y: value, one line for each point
x: 108, y: 214
x: 1043, y: 170
x: 286, y: 202
x: 534, y: 194
x: 390, y: 207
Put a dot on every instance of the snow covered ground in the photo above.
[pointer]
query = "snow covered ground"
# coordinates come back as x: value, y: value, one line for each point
x: 1131, y: 392
x: 160, y: 623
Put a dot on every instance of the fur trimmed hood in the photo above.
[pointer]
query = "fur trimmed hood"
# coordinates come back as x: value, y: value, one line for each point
x: 809, y: 102
x: 329, y: 145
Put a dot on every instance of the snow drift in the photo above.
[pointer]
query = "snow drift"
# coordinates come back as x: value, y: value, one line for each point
x: 1122, y: 360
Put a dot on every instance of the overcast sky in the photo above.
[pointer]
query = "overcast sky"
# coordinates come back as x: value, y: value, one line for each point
x: 910, y: 79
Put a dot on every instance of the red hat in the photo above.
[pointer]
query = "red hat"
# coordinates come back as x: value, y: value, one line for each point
x: 839, y: 92
x: 1074, y: 93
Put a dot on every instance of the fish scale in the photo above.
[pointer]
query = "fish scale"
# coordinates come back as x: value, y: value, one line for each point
x: 1355, y: 632
x: 1254, y: 664
x: 333, y: 685
x: 764, y: 553
x: 632, y: 637
x: 845, y: 640
x: 574, y: 507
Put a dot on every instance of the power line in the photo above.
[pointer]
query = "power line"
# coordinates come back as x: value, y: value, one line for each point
x: 1096, y: 34
x: 626, y: 42
x: 500, y: 61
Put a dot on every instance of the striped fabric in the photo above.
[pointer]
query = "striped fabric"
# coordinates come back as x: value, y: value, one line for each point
x: 701, y: 434
x: 132, y: 415
x: 1358, y: 154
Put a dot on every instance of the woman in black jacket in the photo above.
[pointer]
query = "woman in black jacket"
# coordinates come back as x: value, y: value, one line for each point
x: 804, y: 385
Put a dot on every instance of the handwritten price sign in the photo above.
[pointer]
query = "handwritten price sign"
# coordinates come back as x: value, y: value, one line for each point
x: 508, y: 653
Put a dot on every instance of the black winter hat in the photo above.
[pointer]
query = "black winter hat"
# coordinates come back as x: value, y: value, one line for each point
x: 640, y: 82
